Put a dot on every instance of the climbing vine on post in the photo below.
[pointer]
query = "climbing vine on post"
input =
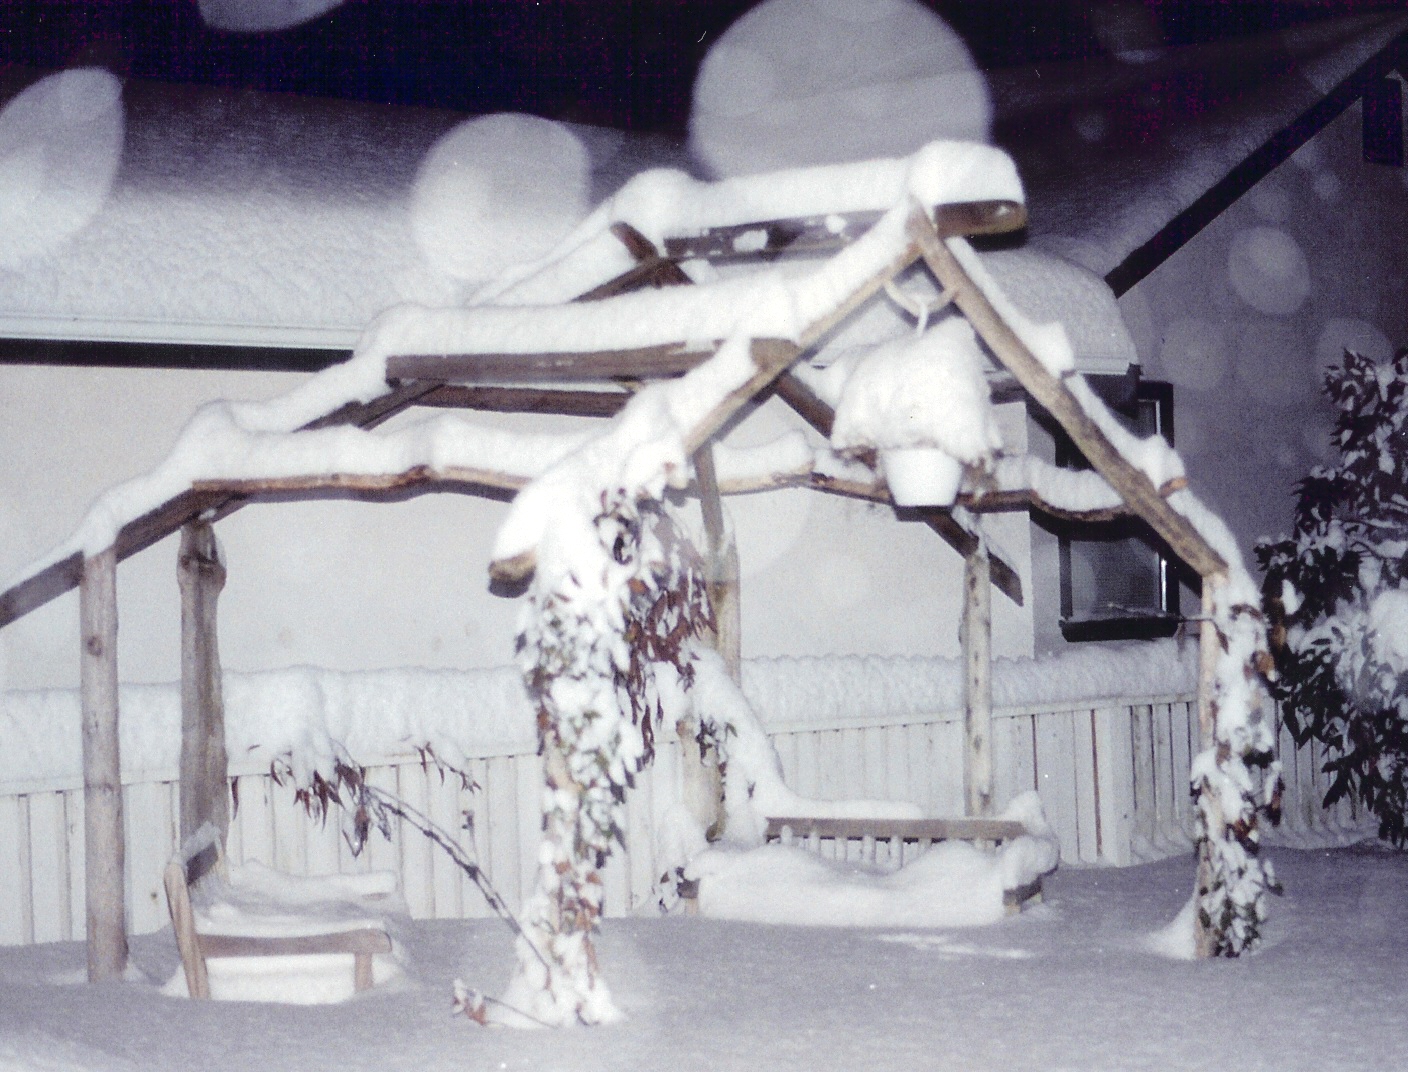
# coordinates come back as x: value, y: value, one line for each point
x: 603, y: 645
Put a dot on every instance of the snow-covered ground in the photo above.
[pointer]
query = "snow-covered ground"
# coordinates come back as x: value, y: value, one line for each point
x: 1067, y: 985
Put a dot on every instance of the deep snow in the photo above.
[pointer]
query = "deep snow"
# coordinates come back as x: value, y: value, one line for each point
x: 1067, y: 985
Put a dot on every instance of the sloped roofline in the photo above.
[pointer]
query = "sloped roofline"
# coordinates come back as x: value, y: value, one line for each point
x: 1275, y: 151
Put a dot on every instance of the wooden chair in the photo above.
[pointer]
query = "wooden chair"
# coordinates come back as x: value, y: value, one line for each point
x: 186, y: 871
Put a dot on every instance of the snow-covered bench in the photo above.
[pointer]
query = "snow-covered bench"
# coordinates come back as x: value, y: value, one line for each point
x: 301, y: 928
x: 898, y: 834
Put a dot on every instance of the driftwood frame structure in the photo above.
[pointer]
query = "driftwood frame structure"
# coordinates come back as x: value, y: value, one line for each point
x: 535, y: 383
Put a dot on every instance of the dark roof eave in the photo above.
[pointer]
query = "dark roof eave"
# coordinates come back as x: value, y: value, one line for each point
x: 1255, y: 167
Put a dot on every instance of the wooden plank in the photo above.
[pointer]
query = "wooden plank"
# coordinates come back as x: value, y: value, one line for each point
x: 105, y: 848
x: 48, y: 867
x: 1014, y: 758
x: 876, y: 783
x: 322, y: 839
x: 418, y: 477
x: 572, y: 366
x: 497, y: 823
x: 290, y: 825
x: 1055, y: 397
x: 205, y: 767
x: 368, y: 939
x: 830, y: 232
x: 398, y: 397
x: 444, y: 808
x: 975, y: 638
x: 183, y: 924
x: 1055, y: 768
x: 417, y: 872
x: 383, y: 854
x: 946, y: 763
x: 1114, y: 784
x: 526, y: 400
x: 77, y: 861
x: 897, y: 758
x: 1183, y: 721
x: 16, y: 912
x: 530, y: 778
x: 151, y: 837
x: 1165, y: 822
x: 909, y: 829
x: 1087, y: 805
x: 481, y: 820
x: 255, y: 820
x: 1144, y: 792
x: 808, y: 783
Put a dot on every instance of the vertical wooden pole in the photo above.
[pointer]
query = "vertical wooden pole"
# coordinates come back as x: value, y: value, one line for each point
x: 104, y: 847
x: 703, y: 781
x: 1208, y: 651
x: 975, y: 635
x: 204, y: 791
x: 721, y: 564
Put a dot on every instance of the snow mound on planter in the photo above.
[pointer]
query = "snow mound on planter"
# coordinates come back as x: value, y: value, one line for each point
x: 951, y: 885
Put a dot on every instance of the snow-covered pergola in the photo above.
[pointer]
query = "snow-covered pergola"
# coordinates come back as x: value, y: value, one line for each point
x: 665, y: 313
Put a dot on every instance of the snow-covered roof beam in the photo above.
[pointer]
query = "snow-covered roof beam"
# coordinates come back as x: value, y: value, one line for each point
x: 1133, y: 485
x: 829, y: 232
x: 639, y: 363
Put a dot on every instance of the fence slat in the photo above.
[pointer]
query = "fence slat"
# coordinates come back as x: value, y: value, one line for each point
x: 48, y: 867
x: 16, y: 921
x: 1088, y: 847
x: 151, y: 834
x: 1145, y: 789
x: 1055, y: 764
x: 1114, y: 784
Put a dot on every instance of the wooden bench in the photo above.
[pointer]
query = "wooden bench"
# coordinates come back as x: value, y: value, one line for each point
x: 184, y: 873
x: 898, y: 833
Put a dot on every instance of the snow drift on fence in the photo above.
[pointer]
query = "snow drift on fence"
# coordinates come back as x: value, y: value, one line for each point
x: 305, y: 713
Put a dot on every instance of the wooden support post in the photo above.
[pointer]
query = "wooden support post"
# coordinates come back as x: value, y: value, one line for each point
x: 204, y: 763
x: 721, y: 563
x: 703, y: 781
x: 975, y: 634
x: 1209, y: 648
x: 104, y: 847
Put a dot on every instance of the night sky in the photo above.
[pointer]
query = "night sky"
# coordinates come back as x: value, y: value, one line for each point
x: 628, y: 64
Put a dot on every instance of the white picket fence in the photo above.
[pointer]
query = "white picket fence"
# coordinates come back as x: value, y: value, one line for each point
x: 1112, y: 778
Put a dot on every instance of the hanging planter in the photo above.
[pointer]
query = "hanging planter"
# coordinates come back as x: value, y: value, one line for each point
x: 921, y: 476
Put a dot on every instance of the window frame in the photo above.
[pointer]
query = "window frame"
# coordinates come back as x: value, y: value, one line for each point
x: 1122, y: 394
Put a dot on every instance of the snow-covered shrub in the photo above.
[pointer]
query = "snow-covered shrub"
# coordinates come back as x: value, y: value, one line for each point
x: 602, y: 649
x: 1338, y: 590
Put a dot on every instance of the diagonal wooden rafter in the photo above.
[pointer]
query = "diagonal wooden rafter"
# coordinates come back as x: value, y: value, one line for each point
x: 1133, y: 486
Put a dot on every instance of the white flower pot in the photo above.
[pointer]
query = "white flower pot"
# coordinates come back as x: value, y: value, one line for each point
x: 921, y: 476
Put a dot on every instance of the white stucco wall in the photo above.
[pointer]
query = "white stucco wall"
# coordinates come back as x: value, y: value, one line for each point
x: 1244, y: 319
x: 352, y: 585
